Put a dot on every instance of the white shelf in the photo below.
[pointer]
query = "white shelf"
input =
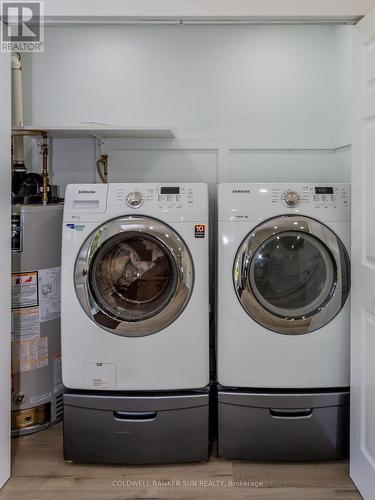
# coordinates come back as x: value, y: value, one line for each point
x: 104, y: 132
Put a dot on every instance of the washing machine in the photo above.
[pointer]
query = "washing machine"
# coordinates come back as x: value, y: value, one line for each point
x: 283, y: 320
x: 135, y: 323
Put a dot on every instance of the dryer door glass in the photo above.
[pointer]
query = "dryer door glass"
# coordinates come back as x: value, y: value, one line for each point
x: 134, y: 276
x: 292, y: 274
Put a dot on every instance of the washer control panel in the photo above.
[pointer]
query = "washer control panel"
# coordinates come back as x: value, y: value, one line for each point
x: 134, y: 199
x: 175, y: 197
x: 165, y: 197
x: 324, y: 197
x: 291, y: 198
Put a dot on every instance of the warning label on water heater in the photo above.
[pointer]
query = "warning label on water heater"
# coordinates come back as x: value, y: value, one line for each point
x: 49, y: 293
x: 29, y: 354
x: 24, y: 289
x: 25, y: 323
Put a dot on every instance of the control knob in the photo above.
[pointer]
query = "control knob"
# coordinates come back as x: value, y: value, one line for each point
x: 134, y: 199
x: 291, y: 199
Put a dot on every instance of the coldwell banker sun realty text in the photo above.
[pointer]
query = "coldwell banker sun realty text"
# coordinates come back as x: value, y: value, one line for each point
x: 22, y: 28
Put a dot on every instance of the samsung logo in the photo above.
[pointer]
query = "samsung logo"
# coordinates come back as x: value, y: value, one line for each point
x: 86, y: 191
x: 241, y: 191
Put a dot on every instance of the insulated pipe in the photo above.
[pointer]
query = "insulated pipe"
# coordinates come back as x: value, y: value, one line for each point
x: 45, y: 169
x: 16, y: 89
x: 17, y: 118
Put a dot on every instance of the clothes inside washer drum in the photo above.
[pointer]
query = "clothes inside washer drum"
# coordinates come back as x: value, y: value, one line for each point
x: 136, y: 271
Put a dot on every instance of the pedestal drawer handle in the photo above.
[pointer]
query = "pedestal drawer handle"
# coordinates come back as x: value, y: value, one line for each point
x: 135, y: 415
x: 291, y: 413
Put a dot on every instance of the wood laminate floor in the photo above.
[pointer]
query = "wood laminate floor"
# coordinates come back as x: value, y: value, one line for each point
x: 39, y: 472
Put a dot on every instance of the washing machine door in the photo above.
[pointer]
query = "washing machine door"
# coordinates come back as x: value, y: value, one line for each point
x: 292, y: 274
x: 134, y: 276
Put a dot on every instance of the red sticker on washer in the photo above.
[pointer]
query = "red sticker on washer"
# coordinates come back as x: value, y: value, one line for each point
x: 200, y: 230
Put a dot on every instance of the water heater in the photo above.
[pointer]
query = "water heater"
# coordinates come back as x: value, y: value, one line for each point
x: 36, y: 353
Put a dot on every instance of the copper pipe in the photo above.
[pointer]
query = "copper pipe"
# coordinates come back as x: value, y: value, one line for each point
x: 16, y: 132
x: 45, y: 176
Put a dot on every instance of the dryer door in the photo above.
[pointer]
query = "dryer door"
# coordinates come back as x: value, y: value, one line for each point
x: 292, y: 274
x: 134, y: 276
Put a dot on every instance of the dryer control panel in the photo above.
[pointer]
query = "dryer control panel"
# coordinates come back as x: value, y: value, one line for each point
x: 259, y: 201
x: 320, y: 197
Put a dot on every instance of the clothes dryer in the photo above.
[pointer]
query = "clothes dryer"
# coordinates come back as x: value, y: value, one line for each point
x: 283, y: 320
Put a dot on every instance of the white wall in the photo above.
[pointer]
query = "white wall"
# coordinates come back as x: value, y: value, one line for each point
x: 343, y: 102
x: 5, y: 268
x: 73, y: 161
x: 261, y: 101
x: 343, y: 85
x: 208, y: 81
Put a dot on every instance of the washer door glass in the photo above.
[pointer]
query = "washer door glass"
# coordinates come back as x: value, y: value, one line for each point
x: 292, y: 274
x: 134, y: 276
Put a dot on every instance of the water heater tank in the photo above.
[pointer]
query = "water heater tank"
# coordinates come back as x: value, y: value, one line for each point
x: 36, y: 347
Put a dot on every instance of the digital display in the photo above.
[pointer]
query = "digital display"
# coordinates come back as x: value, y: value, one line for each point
x: 323, y: 190
x: 170, y: 190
